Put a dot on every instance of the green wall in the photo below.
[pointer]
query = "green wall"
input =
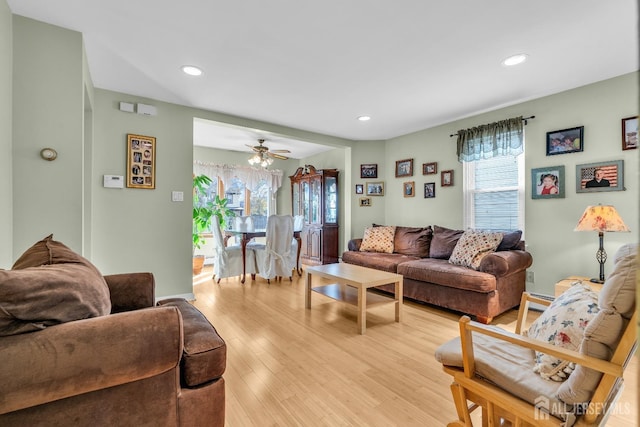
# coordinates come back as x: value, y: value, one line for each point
x: 48, y: 104
x: 557, y: 250
x: 6, y: 118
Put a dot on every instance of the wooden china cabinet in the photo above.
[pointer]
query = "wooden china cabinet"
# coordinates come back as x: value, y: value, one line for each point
x: 314, y: 195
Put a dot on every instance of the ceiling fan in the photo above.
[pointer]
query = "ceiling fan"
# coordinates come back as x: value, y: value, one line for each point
x: 263, y: 153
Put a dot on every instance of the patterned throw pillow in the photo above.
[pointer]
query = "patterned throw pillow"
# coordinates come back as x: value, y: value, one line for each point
x: 473, y: 246
x: 378, y: 239
x: 563, y: 324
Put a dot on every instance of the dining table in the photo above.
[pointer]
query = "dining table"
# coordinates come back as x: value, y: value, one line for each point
x: 247, y: 233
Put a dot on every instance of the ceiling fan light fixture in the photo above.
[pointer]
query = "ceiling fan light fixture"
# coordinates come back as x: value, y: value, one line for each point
x: 515, y: 60
x: 191, y: 70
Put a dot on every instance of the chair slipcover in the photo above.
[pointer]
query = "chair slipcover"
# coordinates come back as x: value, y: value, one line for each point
x: 278, y: 257
x: 228, y: 260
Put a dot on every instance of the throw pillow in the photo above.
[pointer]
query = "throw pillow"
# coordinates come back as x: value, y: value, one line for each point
x: 50, y: 284
x: 378, y: 239
x: 473, y: 246
x: 510, y: 240
x: 34, y: 298
x: 443, y: 242
x: 563, y: 324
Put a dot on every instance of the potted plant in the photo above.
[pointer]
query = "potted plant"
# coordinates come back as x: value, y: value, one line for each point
x: 204, y: 212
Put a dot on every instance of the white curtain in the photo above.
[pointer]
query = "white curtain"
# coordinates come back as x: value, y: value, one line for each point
x: 249, y: 175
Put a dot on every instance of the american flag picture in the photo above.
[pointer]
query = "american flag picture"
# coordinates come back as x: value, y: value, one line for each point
x: 610, y: 171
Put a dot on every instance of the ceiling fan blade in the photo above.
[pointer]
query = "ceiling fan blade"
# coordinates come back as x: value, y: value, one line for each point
x: 280, y: 151
x: 277, y: 156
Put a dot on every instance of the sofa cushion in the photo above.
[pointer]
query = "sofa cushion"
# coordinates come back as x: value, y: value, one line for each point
x: 616, y: 301
x: 563, y: 324
x: 379, y: 261
x: 473, y: 246
x: 204, y: 356
x: 413, y: 241
x: 443, y: 242
x: 378, y: 239
x: 441, y: 272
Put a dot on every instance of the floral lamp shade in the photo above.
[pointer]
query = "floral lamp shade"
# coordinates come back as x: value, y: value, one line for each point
x: 601, y: 218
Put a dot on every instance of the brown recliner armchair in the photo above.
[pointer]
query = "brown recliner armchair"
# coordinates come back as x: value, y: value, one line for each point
x: 139, y: 366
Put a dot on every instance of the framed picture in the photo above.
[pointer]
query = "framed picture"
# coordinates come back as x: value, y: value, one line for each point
x: 565, y: 141
x: 369, y: 170
x: 408, y: 189
x: 375, y: 188
x: 359, y: 189
x: 630, y: 133
x: 600, y: 176
x: 365, y: 201
x: 429, y: 190
x: 547, y: 183
x: 429, y: 168
x: 404, y: 168
x: 446, y: 178
x: 141, y: 161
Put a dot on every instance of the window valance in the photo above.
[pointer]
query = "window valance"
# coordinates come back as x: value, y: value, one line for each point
x: 503, y: 138
x: 249, y: 175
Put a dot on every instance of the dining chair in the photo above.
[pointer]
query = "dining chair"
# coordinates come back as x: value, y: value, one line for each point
x: 228, y: 259
x: 277, y: 258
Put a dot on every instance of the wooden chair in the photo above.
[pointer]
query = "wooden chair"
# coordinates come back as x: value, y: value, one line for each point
x: 472, y: 389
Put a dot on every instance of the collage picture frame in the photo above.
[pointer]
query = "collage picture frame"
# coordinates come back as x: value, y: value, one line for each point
x: 141, y: 161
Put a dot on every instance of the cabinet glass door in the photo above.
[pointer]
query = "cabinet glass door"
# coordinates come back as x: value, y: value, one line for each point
x: 331, y: 200
x: 296, y: 199
x: 315, y: 201
x: 305, y: 201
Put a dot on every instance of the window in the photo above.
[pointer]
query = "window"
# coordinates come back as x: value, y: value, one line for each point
x: 494, y: 193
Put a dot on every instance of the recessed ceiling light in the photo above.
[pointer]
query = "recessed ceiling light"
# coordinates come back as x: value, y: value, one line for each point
x: 515, y: 60
x: 364, y: 118
x: 191, y: 70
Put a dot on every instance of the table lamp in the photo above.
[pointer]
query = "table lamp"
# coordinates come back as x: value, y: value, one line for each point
x: 601, y: 218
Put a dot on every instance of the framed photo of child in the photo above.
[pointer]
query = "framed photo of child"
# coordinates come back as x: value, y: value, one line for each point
x: 547, y: 183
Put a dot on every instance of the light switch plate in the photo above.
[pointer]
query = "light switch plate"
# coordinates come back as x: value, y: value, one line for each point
x: 177, y: 196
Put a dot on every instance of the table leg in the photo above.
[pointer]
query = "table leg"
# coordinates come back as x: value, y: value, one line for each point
x: 398, y: 290
x: 362, y: 309
x: 307, y: 291
x: 243, y: 243
x: 298, y: 269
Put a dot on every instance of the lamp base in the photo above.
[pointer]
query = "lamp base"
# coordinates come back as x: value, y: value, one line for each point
x: 596, y: 281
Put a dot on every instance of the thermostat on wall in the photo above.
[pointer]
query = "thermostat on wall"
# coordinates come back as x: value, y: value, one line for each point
x: 113, y: 181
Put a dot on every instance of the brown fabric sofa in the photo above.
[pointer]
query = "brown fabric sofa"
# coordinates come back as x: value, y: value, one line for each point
x: 141, y: 365
x: 421, y: 255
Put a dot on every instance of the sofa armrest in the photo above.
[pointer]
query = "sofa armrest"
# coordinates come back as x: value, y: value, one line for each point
x: 504, y: 263
x: 354, y: 244
x: 87, y: 355
x: 131, y: 291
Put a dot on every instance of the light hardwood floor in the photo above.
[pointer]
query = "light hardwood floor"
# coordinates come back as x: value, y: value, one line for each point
x: 289, y: 366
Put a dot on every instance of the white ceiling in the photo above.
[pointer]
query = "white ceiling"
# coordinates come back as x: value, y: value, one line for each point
x: 317, y: 66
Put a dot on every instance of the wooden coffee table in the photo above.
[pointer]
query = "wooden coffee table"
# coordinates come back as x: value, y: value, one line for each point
x: 353, y: 282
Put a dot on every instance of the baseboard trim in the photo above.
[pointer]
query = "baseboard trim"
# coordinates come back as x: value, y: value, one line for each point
x: 188, y: 297
x: 539, y: 307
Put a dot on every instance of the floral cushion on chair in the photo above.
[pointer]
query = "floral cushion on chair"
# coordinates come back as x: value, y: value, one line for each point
x: 563, y: 324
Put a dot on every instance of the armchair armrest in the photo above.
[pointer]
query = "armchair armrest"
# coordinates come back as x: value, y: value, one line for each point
x: 87, y: 355
x: 503, y: 263
x: 354, y: 244
x: 131, y: 291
